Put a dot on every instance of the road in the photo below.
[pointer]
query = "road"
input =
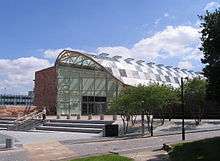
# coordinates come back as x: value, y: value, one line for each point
x: 131, y: 145
x: 60, y: 148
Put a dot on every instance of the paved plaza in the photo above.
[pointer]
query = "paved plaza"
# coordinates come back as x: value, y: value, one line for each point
x: 47, y: 145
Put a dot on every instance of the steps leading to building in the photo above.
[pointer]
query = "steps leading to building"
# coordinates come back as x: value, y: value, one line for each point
x: 80, y: 121
x: 82, y: 126
x: 6, y: 122
x: 69, y: 129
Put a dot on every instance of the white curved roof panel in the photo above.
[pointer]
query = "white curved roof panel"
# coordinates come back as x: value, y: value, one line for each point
x: 134, y: 72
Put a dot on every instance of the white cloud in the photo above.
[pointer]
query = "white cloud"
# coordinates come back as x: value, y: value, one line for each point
x: 177, y: 41
x: 166, y: 15
x: 185, y: 65
x: 212, y: 6
x: 16, y: 75
x: 196, y: 54
x: 53, y: 53
x: 156, y: 22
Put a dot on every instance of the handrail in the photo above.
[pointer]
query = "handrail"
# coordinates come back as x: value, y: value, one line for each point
x: 25, y: 116
x: 28, y: 117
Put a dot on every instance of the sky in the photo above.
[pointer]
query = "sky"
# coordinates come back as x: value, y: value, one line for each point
x: 32, y: 33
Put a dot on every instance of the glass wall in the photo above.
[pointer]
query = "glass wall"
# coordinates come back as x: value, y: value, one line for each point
x: 84, y: 91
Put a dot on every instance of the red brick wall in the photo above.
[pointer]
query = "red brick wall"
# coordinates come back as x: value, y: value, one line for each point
x: 45, y: 89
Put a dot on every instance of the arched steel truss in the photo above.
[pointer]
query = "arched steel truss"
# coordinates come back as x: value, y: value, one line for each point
x: 80, y: 60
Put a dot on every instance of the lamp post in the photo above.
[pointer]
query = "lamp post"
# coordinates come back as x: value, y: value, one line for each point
x: 182, y: 106
x: 142, y: 117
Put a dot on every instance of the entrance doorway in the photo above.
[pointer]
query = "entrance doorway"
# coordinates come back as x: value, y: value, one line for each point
x: 93, y: 105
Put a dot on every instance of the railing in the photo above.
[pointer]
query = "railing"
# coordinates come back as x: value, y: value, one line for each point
x: 28, y: 117
x: 27, y: 120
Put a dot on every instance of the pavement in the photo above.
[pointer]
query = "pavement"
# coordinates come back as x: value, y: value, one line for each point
x: 50, y: 150
x: 61, y: 146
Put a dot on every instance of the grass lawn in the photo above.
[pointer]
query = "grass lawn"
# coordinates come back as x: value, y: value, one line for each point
x: 203, y: 150
x: 110, y: 157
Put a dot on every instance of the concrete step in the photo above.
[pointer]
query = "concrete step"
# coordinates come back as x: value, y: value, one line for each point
x: 83, y: 125
x: 8, y: 118
x: 4, y: 125
x: 80, y: 121
x: 69, y: 129
x: 6, y: 122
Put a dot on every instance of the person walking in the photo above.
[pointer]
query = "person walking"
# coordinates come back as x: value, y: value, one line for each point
x: 44, y: 113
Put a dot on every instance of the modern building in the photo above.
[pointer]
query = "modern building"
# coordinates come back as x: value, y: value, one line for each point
x: 6, y: 99
x: 81, y: 83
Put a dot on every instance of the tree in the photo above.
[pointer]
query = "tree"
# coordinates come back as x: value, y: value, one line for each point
x: 125, y: 106
x: 211, y: 49
x: 194, y: 95
x: 161, y: 98
x: 134, y: 101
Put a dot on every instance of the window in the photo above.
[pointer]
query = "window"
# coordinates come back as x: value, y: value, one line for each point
x: 169, y: 73
x: 138, y: 68
x: 159, y: 71
x: 135, y: 74
x: 158, y: 77
x: 167, y: 79
x: 109, y: 69
x: 176, y: 80
x: 122, y: 72
x: 147, y: 75
x: 150, y: 70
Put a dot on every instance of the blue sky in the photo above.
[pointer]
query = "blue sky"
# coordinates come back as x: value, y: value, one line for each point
x: 33, y: 32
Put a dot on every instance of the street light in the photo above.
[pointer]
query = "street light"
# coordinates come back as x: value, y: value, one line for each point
x: 142, y: 117
x: 182, y: 106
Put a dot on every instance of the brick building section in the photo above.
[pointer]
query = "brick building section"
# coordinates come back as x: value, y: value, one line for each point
x: 45, y: 90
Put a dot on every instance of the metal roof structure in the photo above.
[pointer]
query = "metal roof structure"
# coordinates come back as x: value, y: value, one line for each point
x: 128, y: 71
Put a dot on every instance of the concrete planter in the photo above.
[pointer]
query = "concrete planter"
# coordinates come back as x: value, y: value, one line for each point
x: 78, y: 117
x: 90, y: 117
x: 68, y: 116
x: 114, y: 117
x: 102, y: 117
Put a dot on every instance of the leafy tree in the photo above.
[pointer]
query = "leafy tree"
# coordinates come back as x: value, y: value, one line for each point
x: 134, y: 101
x: 194, y: 95
x: 161, y: 98
x: 211, y: 49
x: 125, y: 106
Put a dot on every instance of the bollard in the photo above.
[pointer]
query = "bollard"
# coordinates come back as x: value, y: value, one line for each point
x: 68, y: 116
x: 58, y: 116
x: 9, y: 143
x: 78, y: 117
x: 102, y: 117
x: 114, y: 117
x: 90, y: 117
x: 151, y: 126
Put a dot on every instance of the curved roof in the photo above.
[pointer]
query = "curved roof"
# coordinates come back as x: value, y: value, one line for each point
x: 127, y: 71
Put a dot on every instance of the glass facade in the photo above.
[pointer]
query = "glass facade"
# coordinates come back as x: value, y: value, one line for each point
x: 87, y: 83
x: 84, y: 91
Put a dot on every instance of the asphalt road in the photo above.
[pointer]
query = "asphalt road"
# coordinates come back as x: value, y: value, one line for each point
x: 119, y: 146
x: 132, y: 145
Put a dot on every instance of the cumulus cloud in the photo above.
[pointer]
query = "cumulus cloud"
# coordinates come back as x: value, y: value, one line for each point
x: 185, y: 65
x: 180, y: 41
x: 17, y: 74
x: 212, y: 6
x: 166, y: 15
x: 53, y: 53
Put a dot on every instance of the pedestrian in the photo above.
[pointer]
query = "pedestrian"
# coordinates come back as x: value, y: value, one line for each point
x: 44, y: 113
